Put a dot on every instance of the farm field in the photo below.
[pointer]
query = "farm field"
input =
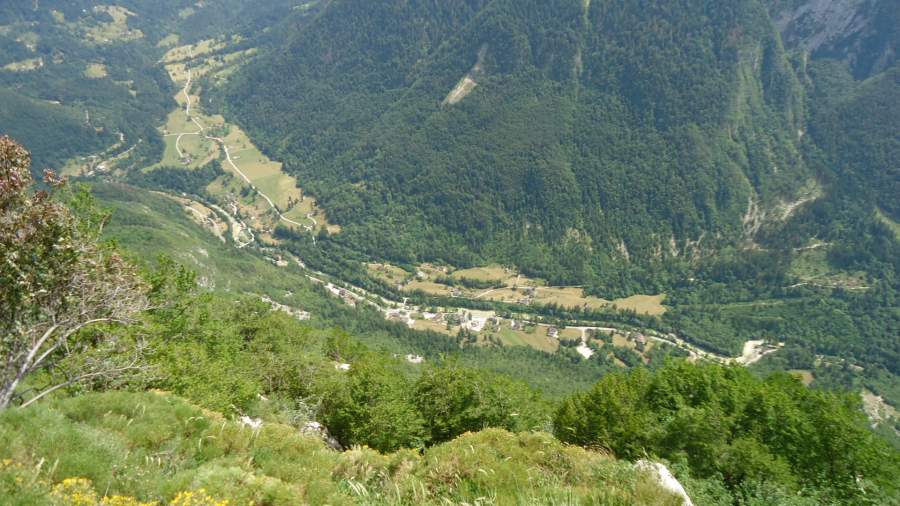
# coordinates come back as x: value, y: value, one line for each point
x: 490, y: 273
x: 193, y: 139
x: 429, y: 287
x: 113, y: 31
x: 435, y: 327
x: 568, y: 333
x: 515, y: 288
x: 536, y: 338
x: 95, y: 71
x: 642, y: 304
x: 388, y: 273
x: 190, y: 51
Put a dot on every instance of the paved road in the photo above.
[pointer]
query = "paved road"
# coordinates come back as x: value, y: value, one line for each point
x: 201, y: 131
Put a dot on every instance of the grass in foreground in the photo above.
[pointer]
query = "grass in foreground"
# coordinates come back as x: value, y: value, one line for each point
x: 154, y: 447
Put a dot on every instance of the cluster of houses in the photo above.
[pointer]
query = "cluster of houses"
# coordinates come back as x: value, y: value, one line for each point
x: 345, y: 295
x: 529, y: 293
x: 296, y: 313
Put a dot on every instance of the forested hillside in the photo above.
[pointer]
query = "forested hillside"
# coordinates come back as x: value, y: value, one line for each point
x: 596, y: 132
x: 91, y: 67
x: 702, y: 150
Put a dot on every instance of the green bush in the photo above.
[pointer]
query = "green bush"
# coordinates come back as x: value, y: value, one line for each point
x: 722, y: 423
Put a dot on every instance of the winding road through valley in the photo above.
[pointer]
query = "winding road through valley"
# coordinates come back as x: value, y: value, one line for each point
x: 202, y: 131
x: 751, y: 353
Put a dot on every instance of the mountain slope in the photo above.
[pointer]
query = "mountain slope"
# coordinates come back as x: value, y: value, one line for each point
x: 153, y: 446
x: 98, y: 62
x: 582, y: 134
x: 863, y: 33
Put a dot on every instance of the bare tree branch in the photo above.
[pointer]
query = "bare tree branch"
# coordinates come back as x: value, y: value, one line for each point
x: 58, y: 281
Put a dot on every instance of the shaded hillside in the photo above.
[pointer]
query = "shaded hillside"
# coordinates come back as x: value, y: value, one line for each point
x: 55, y: 132
x: 856, y: 125
x: 863, y: 33
x: 588, y: 134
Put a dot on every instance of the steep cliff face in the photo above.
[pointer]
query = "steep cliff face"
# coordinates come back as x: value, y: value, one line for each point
x: 862, y: 32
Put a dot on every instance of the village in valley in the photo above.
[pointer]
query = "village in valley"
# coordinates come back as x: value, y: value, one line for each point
x: 253, y: 195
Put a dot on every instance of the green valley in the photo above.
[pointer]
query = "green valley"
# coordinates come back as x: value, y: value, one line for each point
x: 481, y: 252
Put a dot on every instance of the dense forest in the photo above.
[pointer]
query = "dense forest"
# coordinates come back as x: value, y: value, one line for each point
x: 582, y: 147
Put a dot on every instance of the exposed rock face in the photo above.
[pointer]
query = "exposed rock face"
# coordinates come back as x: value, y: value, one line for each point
x: 665, y: 478
x: 253, y: 423
x: 319, y: 430
x: 862, y: 32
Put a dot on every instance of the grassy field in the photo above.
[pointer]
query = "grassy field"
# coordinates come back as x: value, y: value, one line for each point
x: 536, y: 338
x: 490, y: 273
x: 429, y: 287
x: 568, y: 333
x: 803, y: 375
x: 435, y: 327
x: 515, y: 288
x: 127, y: 448
x: 95, y: 71
x: 565, y: 297
x: 199, y: 150
x: 170, y: 40
x: 115, y: 30
x: 29, y: 39
x: 643, y: 304
x: 811, y: 266
x: 263, y: 173
x: 388, y: 273
x: 24, y: 65
x: 198, y: 49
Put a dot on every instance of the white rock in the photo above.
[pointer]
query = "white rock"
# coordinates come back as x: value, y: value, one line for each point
x: 253, y: 423
x: 665, y: 478
x: 314, y: 428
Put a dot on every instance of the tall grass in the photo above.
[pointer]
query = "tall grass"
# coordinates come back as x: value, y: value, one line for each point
x: 153, y: 447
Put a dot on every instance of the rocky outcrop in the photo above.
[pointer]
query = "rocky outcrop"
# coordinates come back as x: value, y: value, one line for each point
x: 862, y: 32
x: 665, y: 479
x: 319, y: 430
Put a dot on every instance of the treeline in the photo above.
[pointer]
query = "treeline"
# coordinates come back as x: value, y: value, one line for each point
x: 178, y: 179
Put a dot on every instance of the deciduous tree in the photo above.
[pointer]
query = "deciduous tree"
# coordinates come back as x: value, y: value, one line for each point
x: 56, y: 281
